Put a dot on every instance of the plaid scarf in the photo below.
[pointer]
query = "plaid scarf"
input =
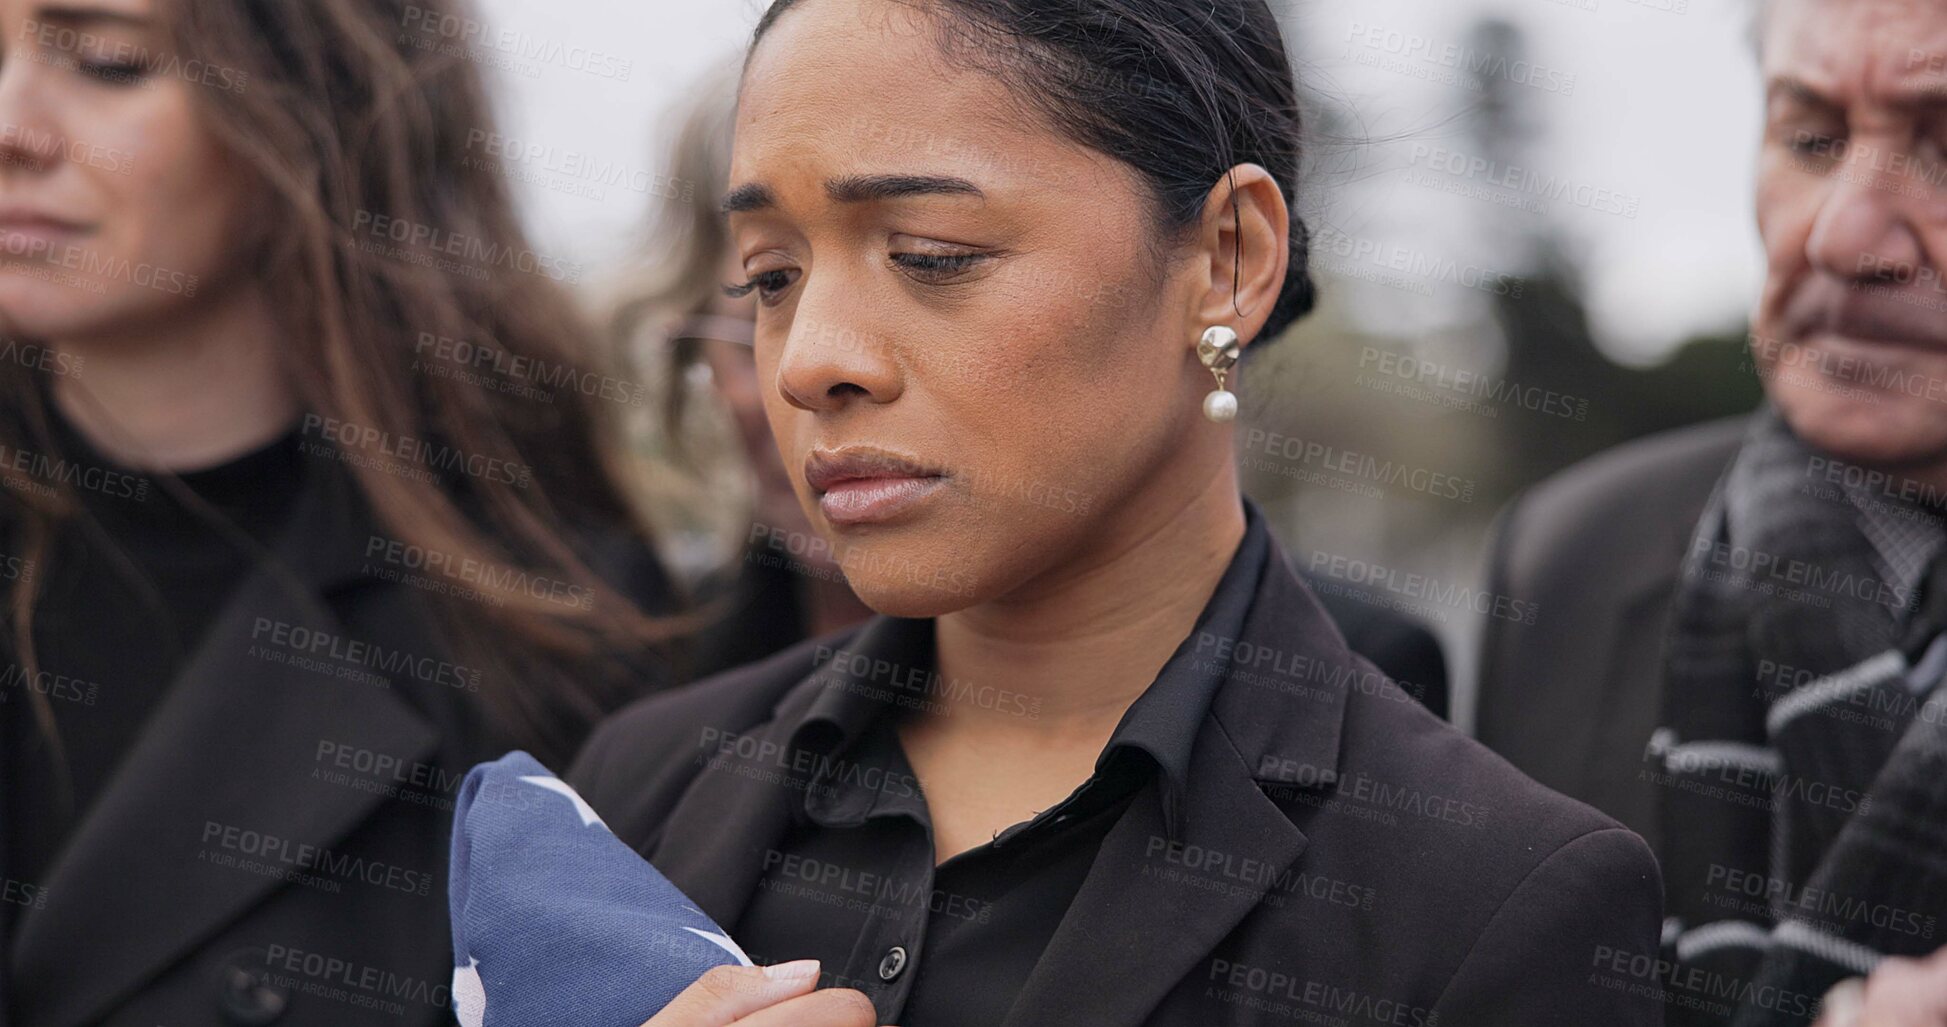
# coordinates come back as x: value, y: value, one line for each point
x: 1799, y: 764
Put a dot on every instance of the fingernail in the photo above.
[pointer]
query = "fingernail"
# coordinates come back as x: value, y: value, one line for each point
x: 1841, y: 1005
x: 792, y: 971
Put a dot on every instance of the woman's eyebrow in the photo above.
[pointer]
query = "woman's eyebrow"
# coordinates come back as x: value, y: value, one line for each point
x: 866, y: 188
x: 855, y: 189
x: 80, y: 14
x: 747, y: 197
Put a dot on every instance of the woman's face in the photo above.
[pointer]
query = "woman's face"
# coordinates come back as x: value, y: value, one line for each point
x: 116, y: 205
x: 975, y: 370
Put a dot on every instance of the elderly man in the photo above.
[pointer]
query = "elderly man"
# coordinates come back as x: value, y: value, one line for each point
x: 1745, y: 653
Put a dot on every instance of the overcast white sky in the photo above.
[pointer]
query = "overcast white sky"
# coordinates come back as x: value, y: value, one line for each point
x: 1663, y: 110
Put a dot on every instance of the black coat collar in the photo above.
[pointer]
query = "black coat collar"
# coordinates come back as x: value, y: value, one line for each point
x: 889, y: 667
x: 1281, y: 687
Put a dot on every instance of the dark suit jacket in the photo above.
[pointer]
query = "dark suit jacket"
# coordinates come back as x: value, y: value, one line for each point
x: 274, y: 848
x: 1345, y: 856
x: 1572, y: 698
x: 1403, y: 648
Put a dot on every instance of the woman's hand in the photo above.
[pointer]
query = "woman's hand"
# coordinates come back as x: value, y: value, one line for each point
x: 765, y: 996
x: 1901, y: 993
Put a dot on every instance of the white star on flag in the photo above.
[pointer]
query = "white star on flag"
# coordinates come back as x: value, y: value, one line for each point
x: 560, y: 787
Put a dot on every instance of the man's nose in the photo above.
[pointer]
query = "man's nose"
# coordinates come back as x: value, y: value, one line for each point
x: 1862, y: 231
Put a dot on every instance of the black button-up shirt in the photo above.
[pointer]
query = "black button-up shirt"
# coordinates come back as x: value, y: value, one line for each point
x: 853, y: 883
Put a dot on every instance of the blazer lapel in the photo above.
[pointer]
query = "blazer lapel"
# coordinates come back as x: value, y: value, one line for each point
x: 738, y: 808
x: 231, y: 748
x: 713, y: 843
x: 1141, y: 924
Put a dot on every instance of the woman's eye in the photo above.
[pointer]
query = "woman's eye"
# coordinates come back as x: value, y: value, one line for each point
x: 768, y: 285
x: 937, y: 265
x: 114, y: 74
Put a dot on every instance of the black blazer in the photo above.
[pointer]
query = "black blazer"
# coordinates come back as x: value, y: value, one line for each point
x: 1345, y: 853
x: 1597, y: 549
x: 274, y: 848
x: 1400, y: 646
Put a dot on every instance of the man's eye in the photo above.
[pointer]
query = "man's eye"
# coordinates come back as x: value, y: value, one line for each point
x: 1928, y: 166
x: 1814, y: 144
x: 1931, y: 149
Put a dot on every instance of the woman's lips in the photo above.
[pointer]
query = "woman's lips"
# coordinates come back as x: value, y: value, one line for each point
x: 872, y: 500
x: 865, y: 485
x: 22, y: 235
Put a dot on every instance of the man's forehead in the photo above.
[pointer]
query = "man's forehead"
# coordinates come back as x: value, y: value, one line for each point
x: 1884, y: 46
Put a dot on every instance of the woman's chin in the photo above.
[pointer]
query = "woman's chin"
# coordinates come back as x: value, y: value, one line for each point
x: 914, y: 595
x: 35, y: 307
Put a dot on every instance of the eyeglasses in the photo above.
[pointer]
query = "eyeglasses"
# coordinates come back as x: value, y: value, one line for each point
x: 737, y: 330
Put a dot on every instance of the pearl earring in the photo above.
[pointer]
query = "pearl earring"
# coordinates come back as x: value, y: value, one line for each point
x: 1218, y: 351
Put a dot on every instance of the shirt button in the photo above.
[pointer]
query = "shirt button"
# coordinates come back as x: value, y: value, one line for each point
x: 893, y: 965
x: 247, y: 995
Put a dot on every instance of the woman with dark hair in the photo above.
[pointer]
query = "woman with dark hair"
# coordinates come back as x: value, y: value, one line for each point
x: 779, y: 587
x: 304, y: 509
x: 1101, y: 759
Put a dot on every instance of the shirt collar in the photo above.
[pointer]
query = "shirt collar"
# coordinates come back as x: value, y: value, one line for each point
x: 888, y: 666
x: 1905, y: 537
x: 1165, y: 720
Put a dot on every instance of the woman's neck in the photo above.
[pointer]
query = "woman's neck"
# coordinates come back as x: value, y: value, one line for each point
x: 1083, y: 645
x: 184, y: 393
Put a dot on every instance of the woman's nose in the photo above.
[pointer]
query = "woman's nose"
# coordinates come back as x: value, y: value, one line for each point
x: 31, y: 139
x: 828, y: 363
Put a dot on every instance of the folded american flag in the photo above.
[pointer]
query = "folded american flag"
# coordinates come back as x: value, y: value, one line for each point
x: 555, y: 920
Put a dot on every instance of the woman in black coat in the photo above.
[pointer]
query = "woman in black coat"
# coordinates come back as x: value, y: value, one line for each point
x: 1102, y: 759
x: 301, y: 508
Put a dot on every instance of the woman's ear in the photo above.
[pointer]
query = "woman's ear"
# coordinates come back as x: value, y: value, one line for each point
x: 1245, y: 243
